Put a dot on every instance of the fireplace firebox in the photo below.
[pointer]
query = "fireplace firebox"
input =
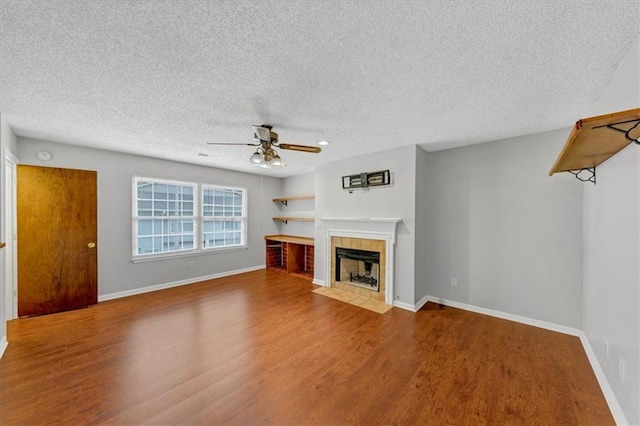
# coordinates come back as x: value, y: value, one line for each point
x: 360, y: 268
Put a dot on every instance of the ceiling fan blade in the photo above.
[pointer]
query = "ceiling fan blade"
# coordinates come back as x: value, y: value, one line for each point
x: 231, y: 143
x: 303, y: 148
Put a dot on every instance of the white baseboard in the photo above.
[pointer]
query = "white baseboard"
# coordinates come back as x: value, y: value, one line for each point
x: 607, y: 390
x: 3, y: 345
x: 163, y: 286
x: 319, y: 282
x: 403, y: 305
x: 504, y: 315
x: 421, y: 303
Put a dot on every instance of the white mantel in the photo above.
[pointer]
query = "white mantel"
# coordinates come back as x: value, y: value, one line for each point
x: 374, y: 228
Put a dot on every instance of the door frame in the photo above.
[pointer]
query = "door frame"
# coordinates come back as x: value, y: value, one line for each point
x: 11, y: 234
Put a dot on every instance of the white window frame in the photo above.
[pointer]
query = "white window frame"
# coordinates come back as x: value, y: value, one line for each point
x: 198, y: 217
x: 242, y: 219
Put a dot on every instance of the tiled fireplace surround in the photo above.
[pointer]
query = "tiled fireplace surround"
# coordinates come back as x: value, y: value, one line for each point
x: 359, y: 244
x: 371, y: 234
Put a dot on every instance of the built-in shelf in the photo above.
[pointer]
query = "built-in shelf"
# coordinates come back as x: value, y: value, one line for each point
x: 302, y: 216
x: 285, y: 200
x: 293, y: 219
x: 593, y: 140
x: 307, y: 241
x: 291, y: 254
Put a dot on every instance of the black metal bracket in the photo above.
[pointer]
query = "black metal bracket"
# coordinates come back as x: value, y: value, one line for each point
x: 580, y: 174
x: 284, y: 202
x: 626, y: 132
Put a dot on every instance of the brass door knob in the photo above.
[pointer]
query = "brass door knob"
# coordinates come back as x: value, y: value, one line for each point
x: 91, y: 245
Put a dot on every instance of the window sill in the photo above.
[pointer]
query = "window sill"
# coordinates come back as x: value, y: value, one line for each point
x: 205, y: 252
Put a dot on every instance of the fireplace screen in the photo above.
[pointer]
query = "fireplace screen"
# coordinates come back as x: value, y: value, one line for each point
x: 360, y: 268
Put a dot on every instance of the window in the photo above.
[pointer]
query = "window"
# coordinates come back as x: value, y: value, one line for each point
x: 172, y: 218
x: 223, y: 217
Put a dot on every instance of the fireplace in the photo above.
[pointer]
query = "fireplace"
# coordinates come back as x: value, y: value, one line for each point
x: 360, y: 268
x: 364, y: 238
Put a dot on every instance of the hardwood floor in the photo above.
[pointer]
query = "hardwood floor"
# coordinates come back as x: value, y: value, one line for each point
x: 261, y: 348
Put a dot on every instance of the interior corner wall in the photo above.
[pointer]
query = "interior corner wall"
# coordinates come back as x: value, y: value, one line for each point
x: 116, y: 272
x: 510, y: 234
x: 297, y: 186
x: 396, y: 200
x: 612, y: 250
x: 300, y: 185
x: 422, y: 213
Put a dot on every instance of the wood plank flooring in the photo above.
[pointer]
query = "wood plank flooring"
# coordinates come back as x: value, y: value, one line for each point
x: 261, y: 348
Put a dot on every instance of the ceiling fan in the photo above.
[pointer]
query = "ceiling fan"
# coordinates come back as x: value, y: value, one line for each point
x: 267, y: 140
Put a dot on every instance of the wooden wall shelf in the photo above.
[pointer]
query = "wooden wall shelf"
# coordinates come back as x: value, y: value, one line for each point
x: 2, y: 245
x: 594, y: 140
x: 300, y: 219
x: 285, y: 200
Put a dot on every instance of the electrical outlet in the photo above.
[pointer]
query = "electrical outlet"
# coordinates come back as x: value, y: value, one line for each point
x: 454, y: 282
x: 192, y: 264
x: 622, y: 370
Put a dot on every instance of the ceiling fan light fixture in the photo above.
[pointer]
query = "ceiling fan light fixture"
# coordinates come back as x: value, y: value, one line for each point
x: 265, y: 156
x: 256, y: 159
x: 276, y: 161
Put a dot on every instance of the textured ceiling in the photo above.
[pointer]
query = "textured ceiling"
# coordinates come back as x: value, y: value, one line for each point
x: 163, y: 78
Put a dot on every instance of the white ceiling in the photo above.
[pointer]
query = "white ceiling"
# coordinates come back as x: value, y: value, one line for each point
x: 163, y: 78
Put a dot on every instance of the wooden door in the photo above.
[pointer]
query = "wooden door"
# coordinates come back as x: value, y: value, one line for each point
x: 57, y: 253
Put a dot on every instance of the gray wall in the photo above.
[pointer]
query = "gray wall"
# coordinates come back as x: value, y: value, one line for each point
x: 422, y: 212
x: 116, y: 272
x: 612, y: 250
x: 509, y: 233
x: 296, y: 186
x: 397, y: 200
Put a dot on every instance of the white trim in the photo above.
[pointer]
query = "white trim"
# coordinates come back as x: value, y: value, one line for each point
x: 3, y: 345
x: 421, y: 303
x: 198, y: 218
x: 186, y: 253
x: 504, y: 315
x: 409, y: 306
x: 609, y: 395
x: 393, y: 220
x: 163, y: 286
x: 319, y: 282
x: 403, y: 305
x: 11, y: 249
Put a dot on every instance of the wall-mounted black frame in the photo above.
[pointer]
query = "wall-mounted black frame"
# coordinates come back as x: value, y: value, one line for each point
x: 366, y: 180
